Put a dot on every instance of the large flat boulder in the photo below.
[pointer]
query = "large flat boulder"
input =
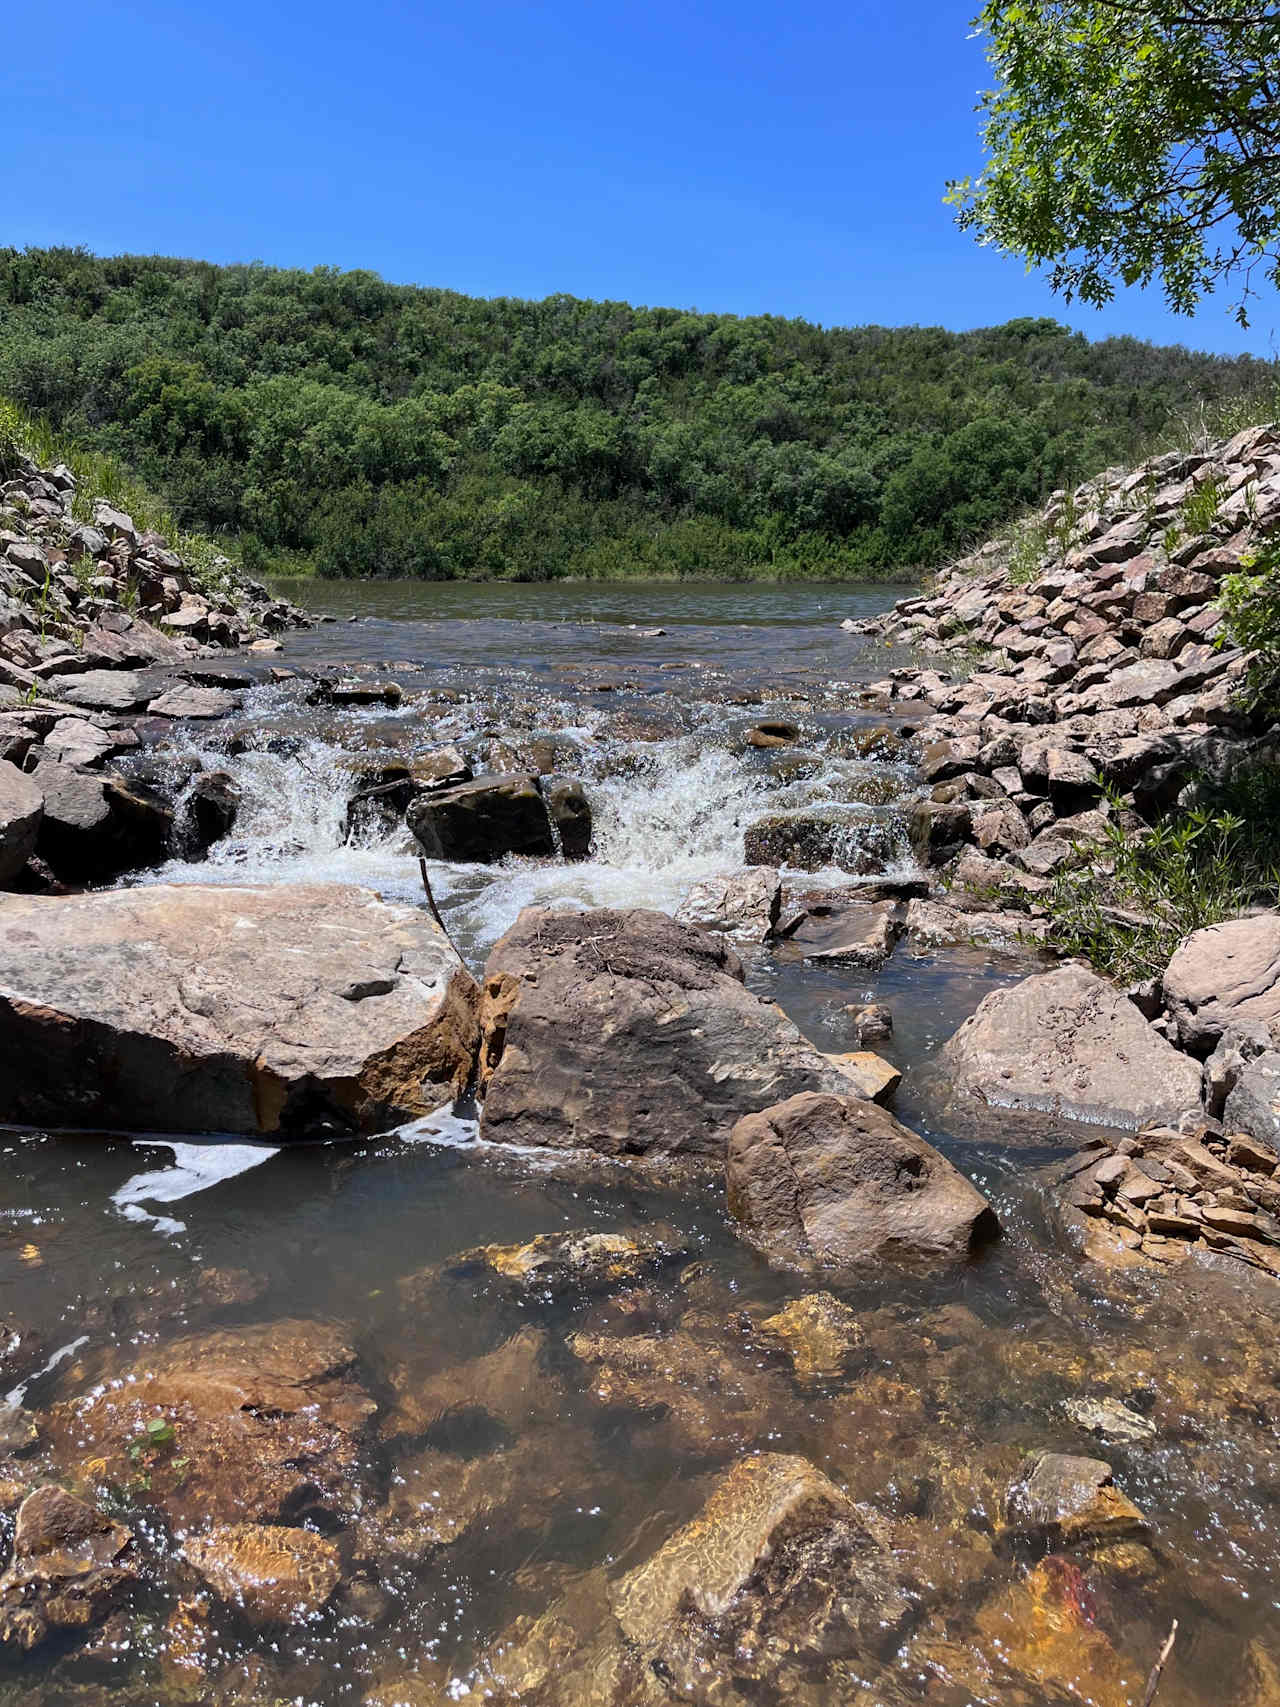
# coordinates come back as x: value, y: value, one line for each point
x: 1226, y: 977
x: 21, y: 809
x: 838, y: 1180
x: 627, y: 1033
x: 1069, y: 1043
x: 275, y: 1011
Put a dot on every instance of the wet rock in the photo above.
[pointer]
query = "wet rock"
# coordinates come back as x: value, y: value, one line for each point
x: 508, y: 1387
x: 629, y: 1034
x: 212, y: 807
x: 856, y: 934
x: 705, y: 1398
x: 96, y: 826
x: 871, y: 1075
x: 285, y: 1010
x: 570, y: 814
x: 1226, y: 977
x: 483, y: 820
x: 818, y: 1332
x: 556, y: 1263
x: 837, y: 1180
x: 267, y: 1423
x: 1062, y: 1501
x: 21, y: 809
x: 871, y: 1022
x: 778, y: 1563
x: 190, y: 701
x: 69, y: 1568
x: 938, y: 830
x: 1110, y: 1418
x: 742, y: 903
x: 1069, y: 1043
x: 773, y: 735
x: 274, y: 1575
x: 356, y: 692
x: 859, y: 842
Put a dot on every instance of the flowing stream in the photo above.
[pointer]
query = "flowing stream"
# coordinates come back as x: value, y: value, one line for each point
x: 116, y: 1247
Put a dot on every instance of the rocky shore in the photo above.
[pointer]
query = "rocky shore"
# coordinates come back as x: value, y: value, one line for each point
x: 224, y: 1487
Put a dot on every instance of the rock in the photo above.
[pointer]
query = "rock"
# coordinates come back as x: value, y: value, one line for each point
x: 1226, y: 976
x: 857, y: 934
x: 483, y: 820
x: 932, y: 925
x: 95, y: 825
x: 743, y: 903
x: 1109, y: 1417
x: 818, y: 1332
x: 268, y: 1425
x: 871, y: 1075
x: 570, y: 814
x: 273, y: 1575
x: 194, y: 702
x: 861, y: 842
x: 778, y: 1562
x: 1069, y: 1043
x: 773, y: 735
x: 837, y: 1180
x: 870, y: 1022
x: 556, y: 1263
x: 274, y: 1011
x: 114, y: 523
x: 107, y: 690
x: 358, y: 693
x: 211, y: 807
x: 629, y: 1034
x: 73, y: 741
x: 69, y: 1568
x: 1062, y: 1501
x: 21, y: 809
x: 938, y: 831
x: 1253, y: 1104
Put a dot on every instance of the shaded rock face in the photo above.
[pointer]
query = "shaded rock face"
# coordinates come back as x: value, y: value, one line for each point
x: 857, y: 842
x: 96, y: 826
x: 21, y: 809
x: 275, y: 1011
x: 69, y: 1568
x: 483, y: 820
x: 629, y: 1034
x: 1226, y: 977
x: 838, y: 1180
x: 570, y: 814
x: 778, y: 1562
x: 1069, y: 1043
x: 268, y: 1426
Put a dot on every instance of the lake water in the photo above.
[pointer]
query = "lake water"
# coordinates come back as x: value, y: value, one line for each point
x: 119, y: 1249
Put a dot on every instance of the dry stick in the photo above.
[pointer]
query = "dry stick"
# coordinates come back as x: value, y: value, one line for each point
x: 435, y: 911
x: 1153, y: 1682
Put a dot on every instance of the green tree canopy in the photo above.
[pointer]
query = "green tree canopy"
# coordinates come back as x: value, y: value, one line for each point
x: 1133, y: 140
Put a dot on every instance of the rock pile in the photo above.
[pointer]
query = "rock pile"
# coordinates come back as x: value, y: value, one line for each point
x: 1102, y: 660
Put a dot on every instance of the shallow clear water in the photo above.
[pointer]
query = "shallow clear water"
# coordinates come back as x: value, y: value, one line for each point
x: 116, y: 1251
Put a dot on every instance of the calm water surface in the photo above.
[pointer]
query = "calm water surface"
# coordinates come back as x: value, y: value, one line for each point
x: 116, y: 1250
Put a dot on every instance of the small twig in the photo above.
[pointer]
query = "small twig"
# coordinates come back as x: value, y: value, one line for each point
x: 1153, y: 1682
x: 435, y: 911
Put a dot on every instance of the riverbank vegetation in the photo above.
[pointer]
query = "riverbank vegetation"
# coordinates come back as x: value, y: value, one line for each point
x: 332, y: 420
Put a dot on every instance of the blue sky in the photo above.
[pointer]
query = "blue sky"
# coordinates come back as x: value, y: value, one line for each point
x: 738, y: 158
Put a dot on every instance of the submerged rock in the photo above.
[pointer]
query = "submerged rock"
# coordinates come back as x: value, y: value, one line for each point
x: 629, y: 1034
x: 273, y: 1574
x: 69, y: 1568
x: 555, y: 1263
x: 818, y: 1333
x: 837, y: 1180
x: 282, y: 1010
x: 1069, y: 1043
x: 1064, y: 1500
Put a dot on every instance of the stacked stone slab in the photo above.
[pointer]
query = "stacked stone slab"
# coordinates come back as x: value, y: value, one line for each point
x: 1107, y: 665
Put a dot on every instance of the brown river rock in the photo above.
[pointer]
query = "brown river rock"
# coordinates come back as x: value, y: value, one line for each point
x: 838, y: 1180
x: 274, y: 1574
x: 627, y: 1033
x: 273, y: 1011
x: 68, y: 1568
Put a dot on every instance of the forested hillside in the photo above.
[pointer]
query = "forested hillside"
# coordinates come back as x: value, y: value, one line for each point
x: 380, y: 429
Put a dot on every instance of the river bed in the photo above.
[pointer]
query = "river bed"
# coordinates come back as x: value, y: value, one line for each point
x: 116, y: 1249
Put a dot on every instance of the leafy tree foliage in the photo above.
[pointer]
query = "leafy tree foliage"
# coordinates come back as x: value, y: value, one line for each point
x: 379, y: 429
x: 1133, y: 140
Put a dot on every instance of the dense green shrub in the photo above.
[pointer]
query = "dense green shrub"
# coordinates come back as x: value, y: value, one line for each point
x: 384, y: 429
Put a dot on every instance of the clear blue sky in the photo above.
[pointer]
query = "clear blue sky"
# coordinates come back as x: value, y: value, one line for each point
x: 743, y: 158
